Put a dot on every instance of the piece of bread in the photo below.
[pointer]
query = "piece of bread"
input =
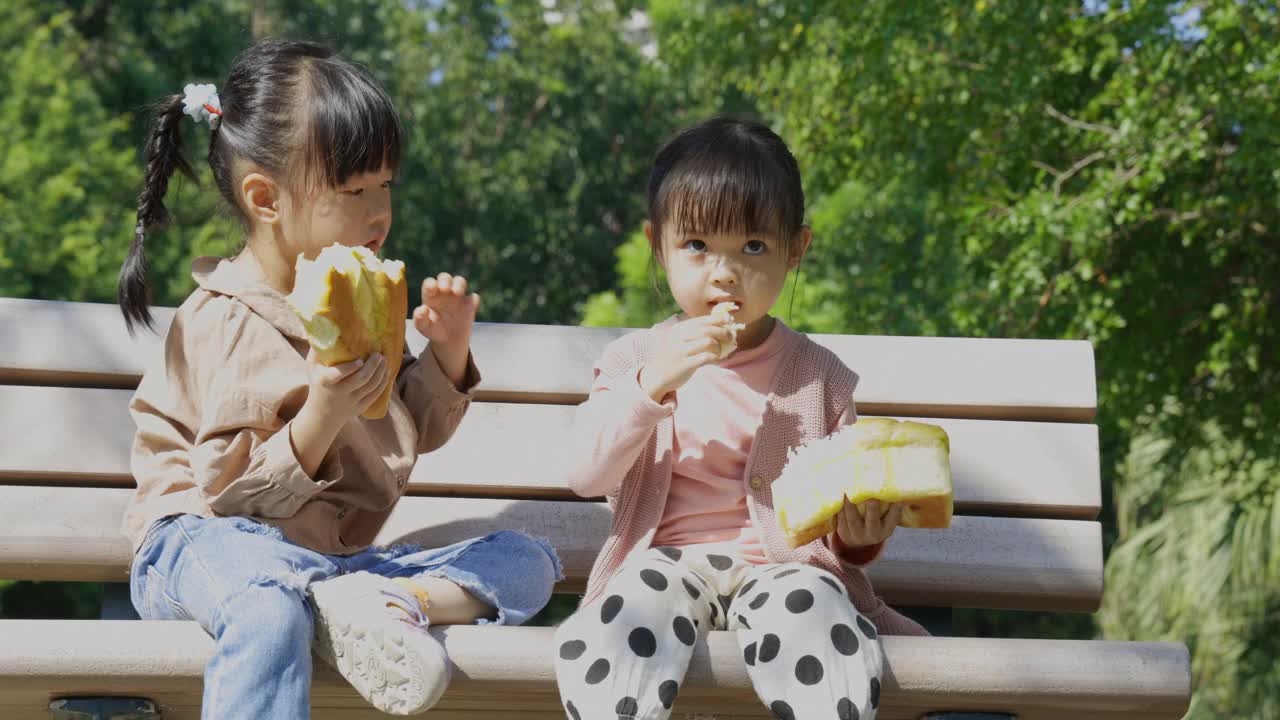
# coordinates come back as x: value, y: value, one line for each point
x: 873, y: 459
x: 353, y: 304
x: 723, y: 313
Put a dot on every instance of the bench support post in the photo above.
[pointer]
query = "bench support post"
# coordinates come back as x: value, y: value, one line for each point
x: 103, y: 708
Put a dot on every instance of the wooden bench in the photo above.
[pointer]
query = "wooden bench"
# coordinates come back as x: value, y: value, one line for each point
x: 1025, y: 536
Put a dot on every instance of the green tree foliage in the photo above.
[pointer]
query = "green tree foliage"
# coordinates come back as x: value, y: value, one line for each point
x: 66, y: 173
x: 641, y: 297
x: 50, y: 601
x: 530, y: 147
x: 530, y: 131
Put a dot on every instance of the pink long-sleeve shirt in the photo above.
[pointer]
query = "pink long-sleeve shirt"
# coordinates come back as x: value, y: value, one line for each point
x: 696, y: 467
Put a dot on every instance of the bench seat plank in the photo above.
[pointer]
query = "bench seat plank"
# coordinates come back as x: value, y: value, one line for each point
x: 1038, y: 679
x: 1017, y: 563
x: 61, y: 343
x: 508, y: 450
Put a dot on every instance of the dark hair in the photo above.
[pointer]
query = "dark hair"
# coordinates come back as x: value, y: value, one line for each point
x: 292, y: 109
x: 726, y: 175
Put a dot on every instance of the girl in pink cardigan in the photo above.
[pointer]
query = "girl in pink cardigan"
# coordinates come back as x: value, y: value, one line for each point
x: 687, y: 425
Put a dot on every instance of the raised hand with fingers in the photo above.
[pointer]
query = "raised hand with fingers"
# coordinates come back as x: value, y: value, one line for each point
x: 445, y: 318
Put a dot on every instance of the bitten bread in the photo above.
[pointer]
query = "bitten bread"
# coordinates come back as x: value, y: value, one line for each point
x: 873, y: 459
x: 353, y: 304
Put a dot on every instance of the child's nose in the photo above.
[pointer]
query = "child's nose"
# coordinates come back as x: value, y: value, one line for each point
x: 723, y: 273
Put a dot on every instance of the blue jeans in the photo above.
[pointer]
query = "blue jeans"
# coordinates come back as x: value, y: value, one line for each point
x: 247, y: 587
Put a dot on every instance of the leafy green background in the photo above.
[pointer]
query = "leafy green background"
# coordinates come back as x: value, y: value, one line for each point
x: 1092, y: 170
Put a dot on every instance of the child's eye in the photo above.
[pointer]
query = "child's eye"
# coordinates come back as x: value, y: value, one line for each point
x: 755, y: 247
x: 695, y: 245
x: 387, y: 185
x: 354, y: 193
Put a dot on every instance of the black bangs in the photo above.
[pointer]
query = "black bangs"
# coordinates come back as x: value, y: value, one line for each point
x: 353, y: 126
x: 726, y: 176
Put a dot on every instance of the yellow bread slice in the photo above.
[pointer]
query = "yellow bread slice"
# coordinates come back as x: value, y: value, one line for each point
x: 352, y: 305
x: 873, y: 459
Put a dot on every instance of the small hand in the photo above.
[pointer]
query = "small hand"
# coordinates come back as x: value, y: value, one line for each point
x: 445, y: 317
x: 447, y: 312
x: 684, y: 347
x: 335, y: 395
x: 341, y: 392
x: 868, y: 523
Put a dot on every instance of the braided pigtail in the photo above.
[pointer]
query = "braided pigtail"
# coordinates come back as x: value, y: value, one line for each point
x: 164, y: 155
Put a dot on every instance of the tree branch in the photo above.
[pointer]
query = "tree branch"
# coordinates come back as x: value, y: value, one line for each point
x: 1047, y: 295
x: 1175, y: 216
x: 1057, y: 114
x: 1046, y: 167
x: 538, y: 105
x: 1081, y: 164
x: 1062, y: 176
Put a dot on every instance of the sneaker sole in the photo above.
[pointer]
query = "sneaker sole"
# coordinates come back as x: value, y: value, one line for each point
x: 399, y: 669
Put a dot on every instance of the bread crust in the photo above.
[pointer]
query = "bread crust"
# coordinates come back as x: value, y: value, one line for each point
x: 807, y: 535
x: 931, y: 512
x: 392, y: 345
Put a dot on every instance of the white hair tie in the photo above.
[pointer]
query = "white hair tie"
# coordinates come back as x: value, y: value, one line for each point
x: 202, y: 104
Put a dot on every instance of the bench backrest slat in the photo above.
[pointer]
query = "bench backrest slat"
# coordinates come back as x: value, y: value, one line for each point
x: 512, y: 450
x: 57, y: 343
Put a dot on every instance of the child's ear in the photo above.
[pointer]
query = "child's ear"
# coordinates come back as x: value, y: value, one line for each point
x: 262, y: 198
x: 800, y: 248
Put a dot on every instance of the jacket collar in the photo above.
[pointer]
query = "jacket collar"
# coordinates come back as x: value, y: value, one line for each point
x: 224, y: 277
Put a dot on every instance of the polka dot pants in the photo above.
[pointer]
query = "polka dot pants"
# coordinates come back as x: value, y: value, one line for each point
x: 808, y: 652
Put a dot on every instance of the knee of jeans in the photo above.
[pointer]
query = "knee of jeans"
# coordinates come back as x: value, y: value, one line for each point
x: 273, y: 615
x: 511, y: 571
x: 534, y: 560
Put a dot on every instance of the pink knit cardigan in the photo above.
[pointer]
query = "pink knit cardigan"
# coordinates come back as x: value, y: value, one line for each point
x: 810, y: 391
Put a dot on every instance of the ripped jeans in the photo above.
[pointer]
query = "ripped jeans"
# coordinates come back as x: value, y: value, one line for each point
x: 247, y: 587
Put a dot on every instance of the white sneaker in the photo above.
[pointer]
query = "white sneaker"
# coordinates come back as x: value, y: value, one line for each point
x: 373, y: 631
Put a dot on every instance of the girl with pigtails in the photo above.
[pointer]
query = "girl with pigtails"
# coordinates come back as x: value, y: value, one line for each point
x: 260, y: 485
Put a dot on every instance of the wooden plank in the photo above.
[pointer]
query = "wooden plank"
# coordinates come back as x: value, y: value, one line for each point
x: 1024, y: 469
x: 1037, y: 679
x: 1018, y: 563
x: 711, y: 709
x: 58, y: 343
x: 65, y: 343
x: 33, y: 709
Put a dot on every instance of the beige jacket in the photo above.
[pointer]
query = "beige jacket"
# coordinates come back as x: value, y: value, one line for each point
x: 213, y: 424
